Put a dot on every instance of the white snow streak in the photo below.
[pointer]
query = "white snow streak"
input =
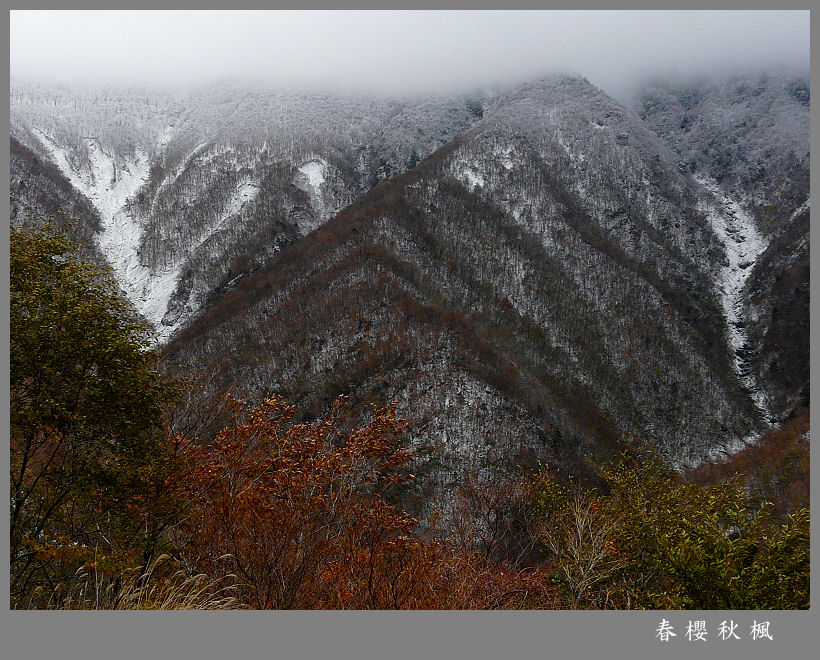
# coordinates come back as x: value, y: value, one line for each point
x: 244, y: 193
x: 108, y: 187
x: 172, y: 177
x: 800, y: 209
x: 743, y: 245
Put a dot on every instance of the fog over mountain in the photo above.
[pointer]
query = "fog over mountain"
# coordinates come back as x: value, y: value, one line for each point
x: 400, y: 52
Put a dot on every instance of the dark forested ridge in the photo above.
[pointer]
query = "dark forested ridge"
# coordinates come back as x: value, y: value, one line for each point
x: 40, y: 193
x: 597, y: 299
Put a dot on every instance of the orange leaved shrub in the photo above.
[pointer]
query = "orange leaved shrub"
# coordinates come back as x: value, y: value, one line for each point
x: 299, y: 514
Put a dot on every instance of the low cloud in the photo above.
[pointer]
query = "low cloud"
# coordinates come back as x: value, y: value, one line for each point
x: 399, y: 52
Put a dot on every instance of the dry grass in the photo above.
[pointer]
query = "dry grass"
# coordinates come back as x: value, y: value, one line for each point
x: 144, y: 590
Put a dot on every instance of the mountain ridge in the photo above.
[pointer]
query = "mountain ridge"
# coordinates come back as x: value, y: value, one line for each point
x: 553, y: 259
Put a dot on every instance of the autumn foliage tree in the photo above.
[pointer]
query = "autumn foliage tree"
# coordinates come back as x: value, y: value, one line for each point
x: 301, y: 516
x: 298, y: 512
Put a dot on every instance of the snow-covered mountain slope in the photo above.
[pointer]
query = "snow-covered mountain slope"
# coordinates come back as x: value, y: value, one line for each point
x: 109, y: 185
x: 646, y: 213
x: 199, y: 189
x: 749, y: 135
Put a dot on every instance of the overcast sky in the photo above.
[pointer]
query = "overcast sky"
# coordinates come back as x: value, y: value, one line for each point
x: 398, y: 51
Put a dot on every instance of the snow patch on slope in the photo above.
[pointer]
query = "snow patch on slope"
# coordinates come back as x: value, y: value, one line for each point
x: 315, y: 173
x: 743, y: 245
x: 504, y: 156
x: 472, y: 178
x: 311, y: 178
x: 245, y: 192
x: 468, y: 172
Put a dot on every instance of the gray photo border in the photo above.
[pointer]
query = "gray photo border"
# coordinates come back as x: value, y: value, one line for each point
x: 364, y: 635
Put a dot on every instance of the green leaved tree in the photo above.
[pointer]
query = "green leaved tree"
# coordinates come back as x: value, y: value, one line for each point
x: 87, y: 448
x: 650, y: 540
